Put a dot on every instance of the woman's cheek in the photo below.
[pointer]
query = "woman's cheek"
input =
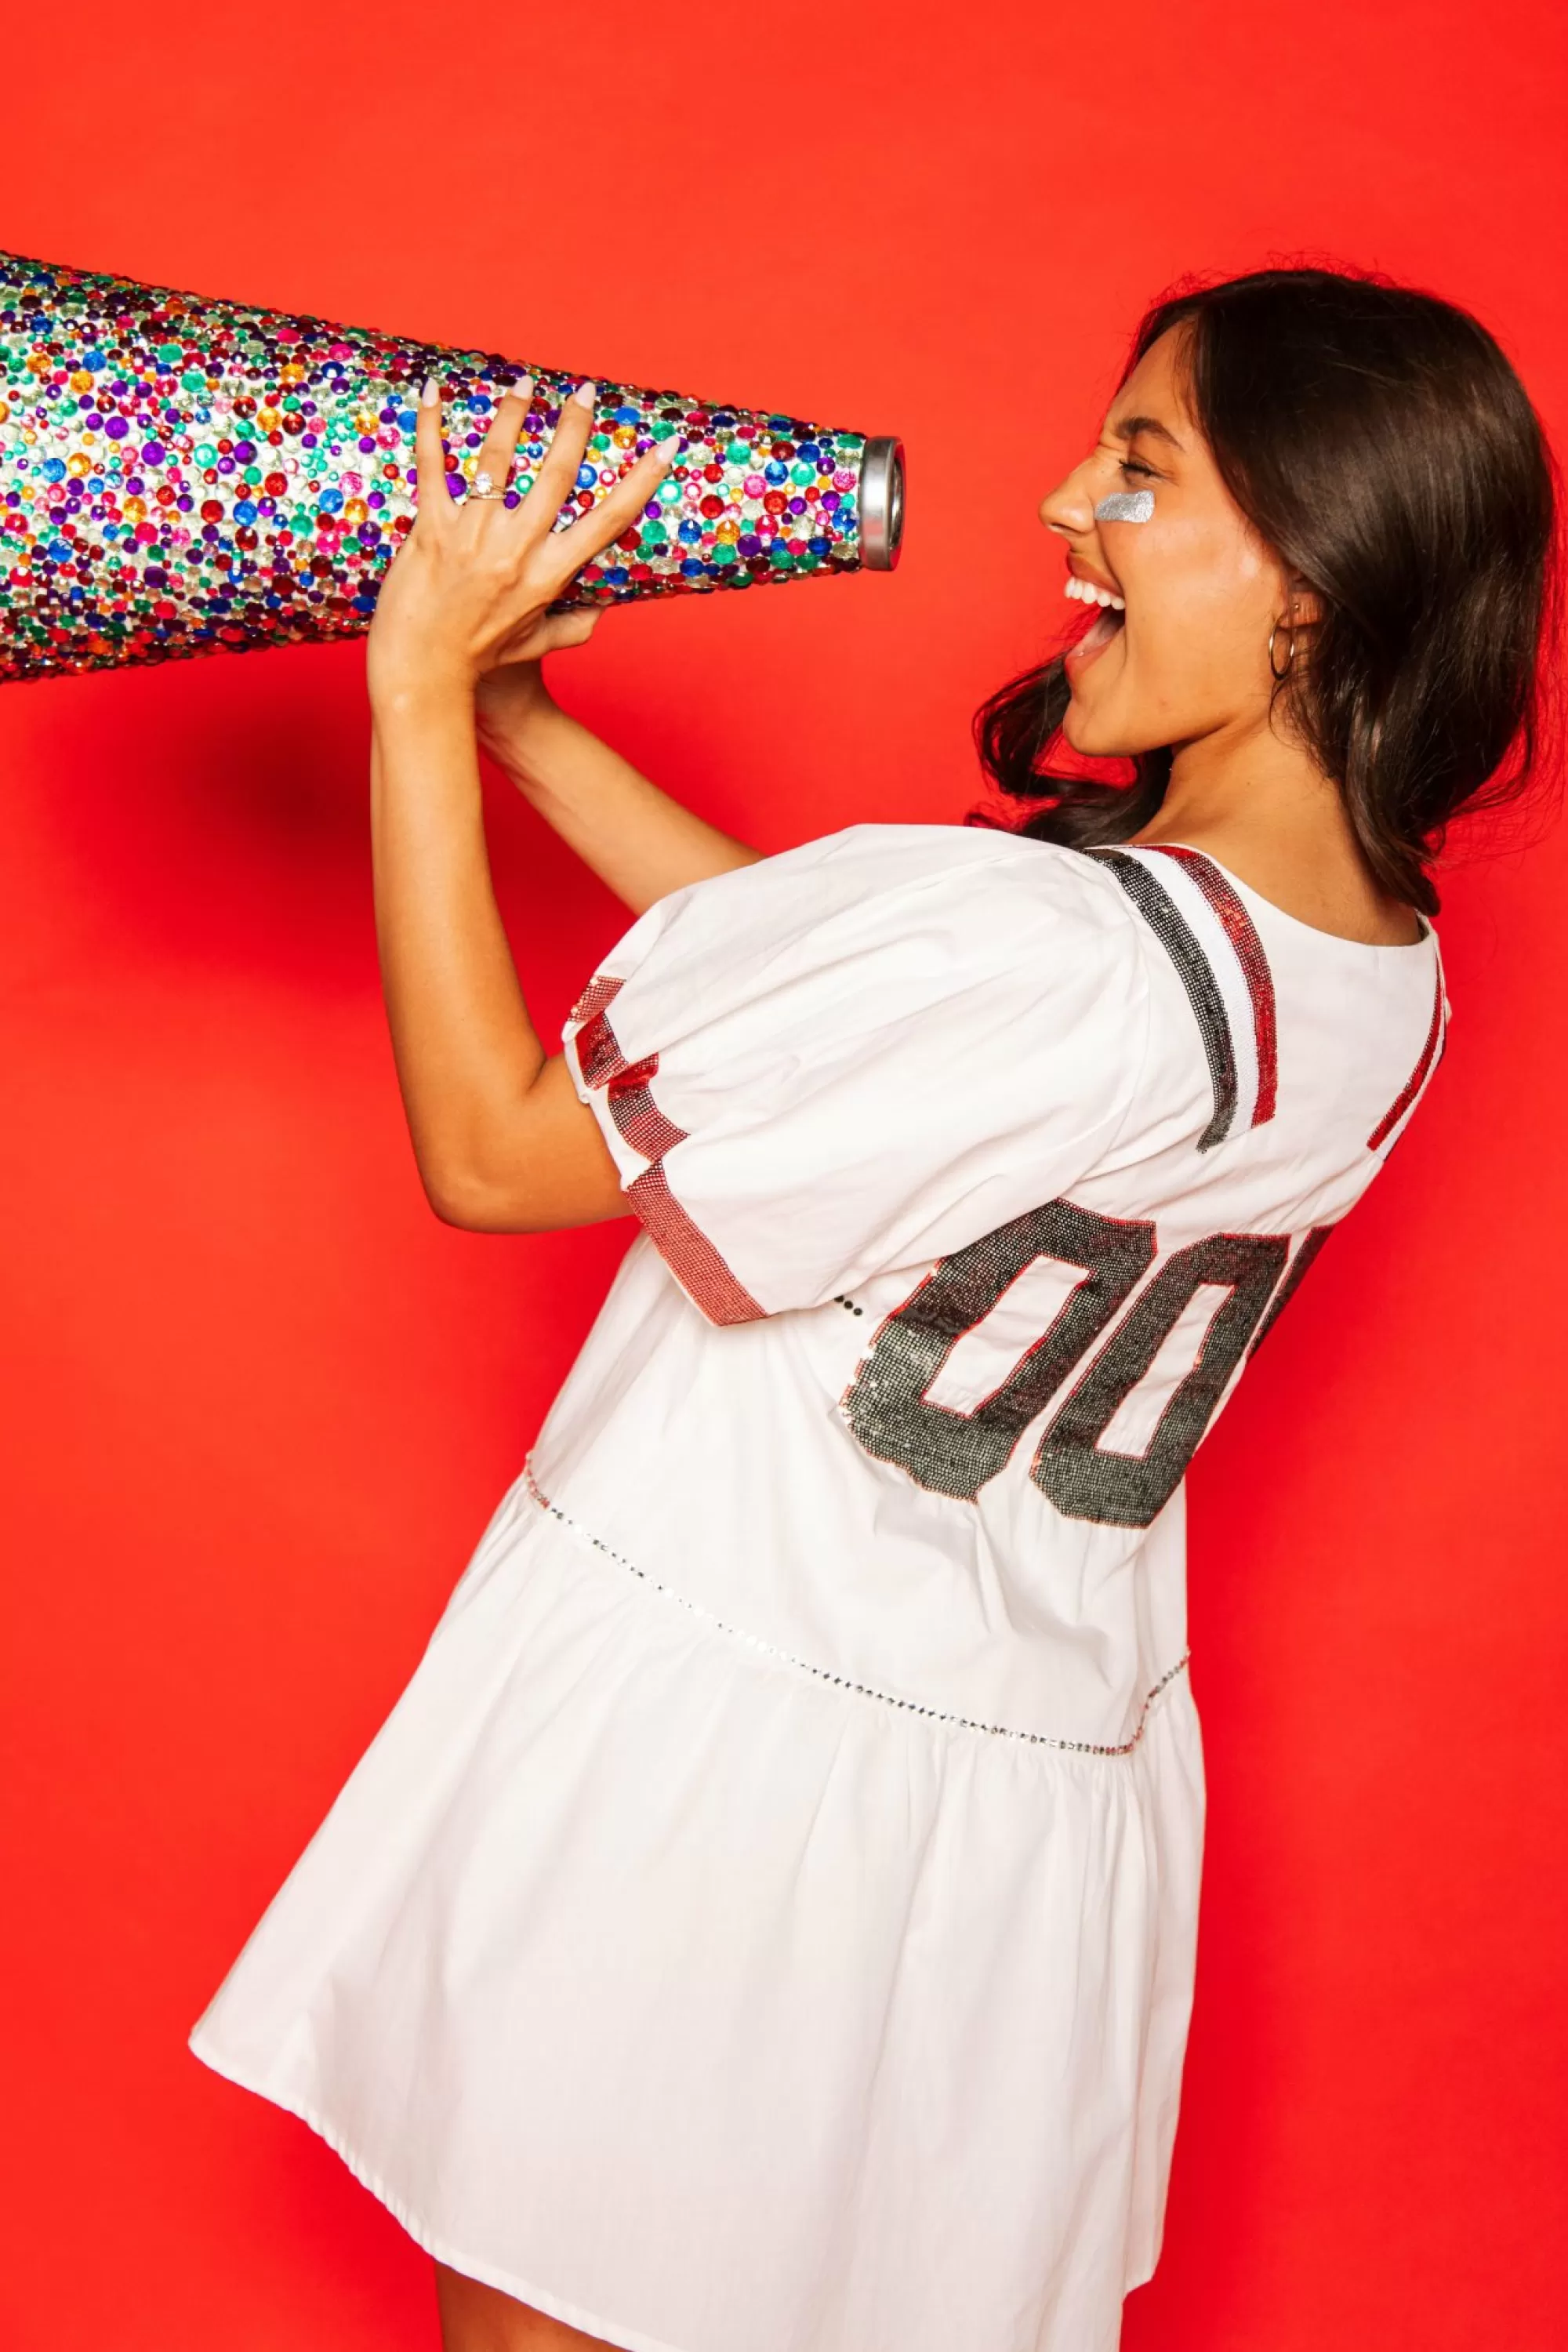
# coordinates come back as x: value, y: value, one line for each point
x: 1202, y: 602
x: 1169, y: 666
x: 1170, y: 686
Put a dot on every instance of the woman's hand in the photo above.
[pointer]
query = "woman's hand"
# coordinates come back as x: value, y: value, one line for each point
x: 469, y: 589
x: 513, y: 705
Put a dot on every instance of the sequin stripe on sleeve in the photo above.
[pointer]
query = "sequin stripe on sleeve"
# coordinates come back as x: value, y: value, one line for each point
x: 686, y: 1249
x: 700, y: 1269
x: 1242, y: 933
x: 1431, y: 1054
x: 602, y: 989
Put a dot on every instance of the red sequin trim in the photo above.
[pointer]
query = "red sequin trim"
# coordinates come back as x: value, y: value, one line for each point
x: 1242, y: 933
x: 636, y: 1113
x: 599, y: 992
x: 685, y: 1248
x: 599, y: 1057
x: 688, y: 1252
x: 1431, y: 1054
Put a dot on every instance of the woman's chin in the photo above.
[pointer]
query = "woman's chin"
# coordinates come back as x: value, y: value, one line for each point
x: 1097, y: 724
x: 1089, y: 733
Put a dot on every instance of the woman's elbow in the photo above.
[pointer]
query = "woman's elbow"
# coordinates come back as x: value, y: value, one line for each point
x: 461, y: 1197
x: 546, y: 1168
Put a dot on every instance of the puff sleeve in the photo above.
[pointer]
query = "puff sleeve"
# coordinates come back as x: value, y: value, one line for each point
x: 859, y: 1054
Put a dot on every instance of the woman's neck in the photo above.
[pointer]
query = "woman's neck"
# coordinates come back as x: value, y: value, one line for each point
x: 1261, y: 807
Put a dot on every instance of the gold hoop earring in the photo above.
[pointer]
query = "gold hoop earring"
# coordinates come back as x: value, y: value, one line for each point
x: 1290, y: 657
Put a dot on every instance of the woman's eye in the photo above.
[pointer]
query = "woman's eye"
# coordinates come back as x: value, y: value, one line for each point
x: 1130, y: 466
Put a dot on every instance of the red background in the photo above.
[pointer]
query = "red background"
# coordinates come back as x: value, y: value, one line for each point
x: 258, y: 1403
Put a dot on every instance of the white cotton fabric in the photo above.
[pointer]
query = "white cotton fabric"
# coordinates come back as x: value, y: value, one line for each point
x: 767, y: 1921
x: 882, y: 1045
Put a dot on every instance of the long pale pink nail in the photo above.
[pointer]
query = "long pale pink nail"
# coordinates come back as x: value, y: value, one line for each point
x: 523, y: 387
x: 587, y: 395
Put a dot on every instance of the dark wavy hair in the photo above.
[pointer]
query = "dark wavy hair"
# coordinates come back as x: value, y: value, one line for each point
x: 1381, y: 443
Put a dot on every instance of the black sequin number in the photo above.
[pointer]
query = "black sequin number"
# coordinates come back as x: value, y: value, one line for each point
x: 1088, y: 1480
x: 955, y: 1452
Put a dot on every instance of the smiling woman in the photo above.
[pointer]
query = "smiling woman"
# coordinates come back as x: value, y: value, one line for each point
x: 1334, y: 614
x: 768, y: 1917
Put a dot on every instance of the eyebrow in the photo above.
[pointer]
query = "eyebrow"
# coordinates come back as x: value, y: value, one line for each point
x: 1125, y: 427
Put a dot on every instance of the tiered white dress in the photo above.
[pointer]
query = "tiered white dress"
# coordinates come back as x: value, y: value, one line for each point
x: 766, y: 1922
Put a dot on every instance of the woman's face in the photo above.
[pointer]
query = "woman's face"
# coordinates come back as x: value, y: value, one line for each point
x: 1189, y: 657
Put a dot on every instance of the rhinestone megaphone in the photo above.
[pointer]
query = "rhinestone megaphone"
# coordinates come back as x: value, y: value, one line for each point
x: 182, y: 476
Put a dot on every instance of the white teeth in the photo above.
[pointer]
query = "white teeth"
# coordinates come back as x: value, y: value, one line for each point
x: 1086, y: 591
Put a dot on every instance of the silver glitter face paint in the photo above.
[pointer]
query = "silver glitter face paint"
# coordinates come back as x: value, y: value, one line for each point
x: 1126, y: 505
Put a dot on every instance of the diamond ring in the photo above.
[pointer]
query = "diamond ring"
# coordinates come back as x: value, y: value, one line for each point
x: 483, y: 487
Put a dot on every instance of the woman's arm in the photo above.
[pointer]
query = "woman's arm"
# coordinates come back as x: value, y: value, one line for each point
x: 638, y: 840
x: 502, y: 1142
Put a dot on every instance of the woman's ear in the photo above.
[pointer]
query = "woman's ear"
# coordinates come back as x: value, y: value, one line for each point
x: 1303, y: 604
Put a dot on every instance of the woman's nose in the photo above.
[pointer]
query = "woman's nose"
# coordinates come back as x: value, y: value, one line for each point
x: 1069, y: 508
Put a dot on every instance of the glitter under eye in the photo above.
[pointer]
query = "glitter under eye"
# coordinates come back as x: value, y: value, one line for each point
x: 182, y: 476
x: 1126, y: 505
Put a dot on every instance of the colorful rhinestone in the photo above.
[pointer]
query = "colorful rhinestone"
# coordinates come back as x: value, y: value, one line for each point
x: 183, y: 476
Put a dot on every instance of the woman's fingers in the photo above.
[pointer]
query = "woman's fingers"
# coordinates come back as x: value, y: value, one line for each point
x: 570, y: 549
x: 430, y: 456
x: 536, y: 560
x: 500, y: 445
x: 573, y: 628
x: 551, y: 632
x: 557, y: 476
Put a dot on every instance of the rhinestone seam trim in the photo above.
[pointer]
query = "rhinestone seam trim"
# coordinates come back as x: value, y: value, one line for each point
x: 845, y: 1682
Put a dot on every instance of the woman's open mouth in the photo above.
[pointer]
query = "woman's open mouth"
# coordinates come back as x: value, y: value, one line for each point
x: 1107, y: 624
x: 1092, y: 592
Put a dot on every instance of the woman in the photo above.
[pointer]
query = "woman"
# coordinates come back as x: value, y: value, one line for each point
x: 766, y: 1922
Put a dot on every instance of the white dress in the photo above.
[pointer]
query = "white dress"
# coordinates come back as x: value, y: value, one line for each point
x: 766, y: 1922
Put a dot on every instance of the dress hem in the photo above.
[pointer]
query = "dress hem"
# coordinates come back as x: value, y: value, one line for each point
x: 552, y: 2306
